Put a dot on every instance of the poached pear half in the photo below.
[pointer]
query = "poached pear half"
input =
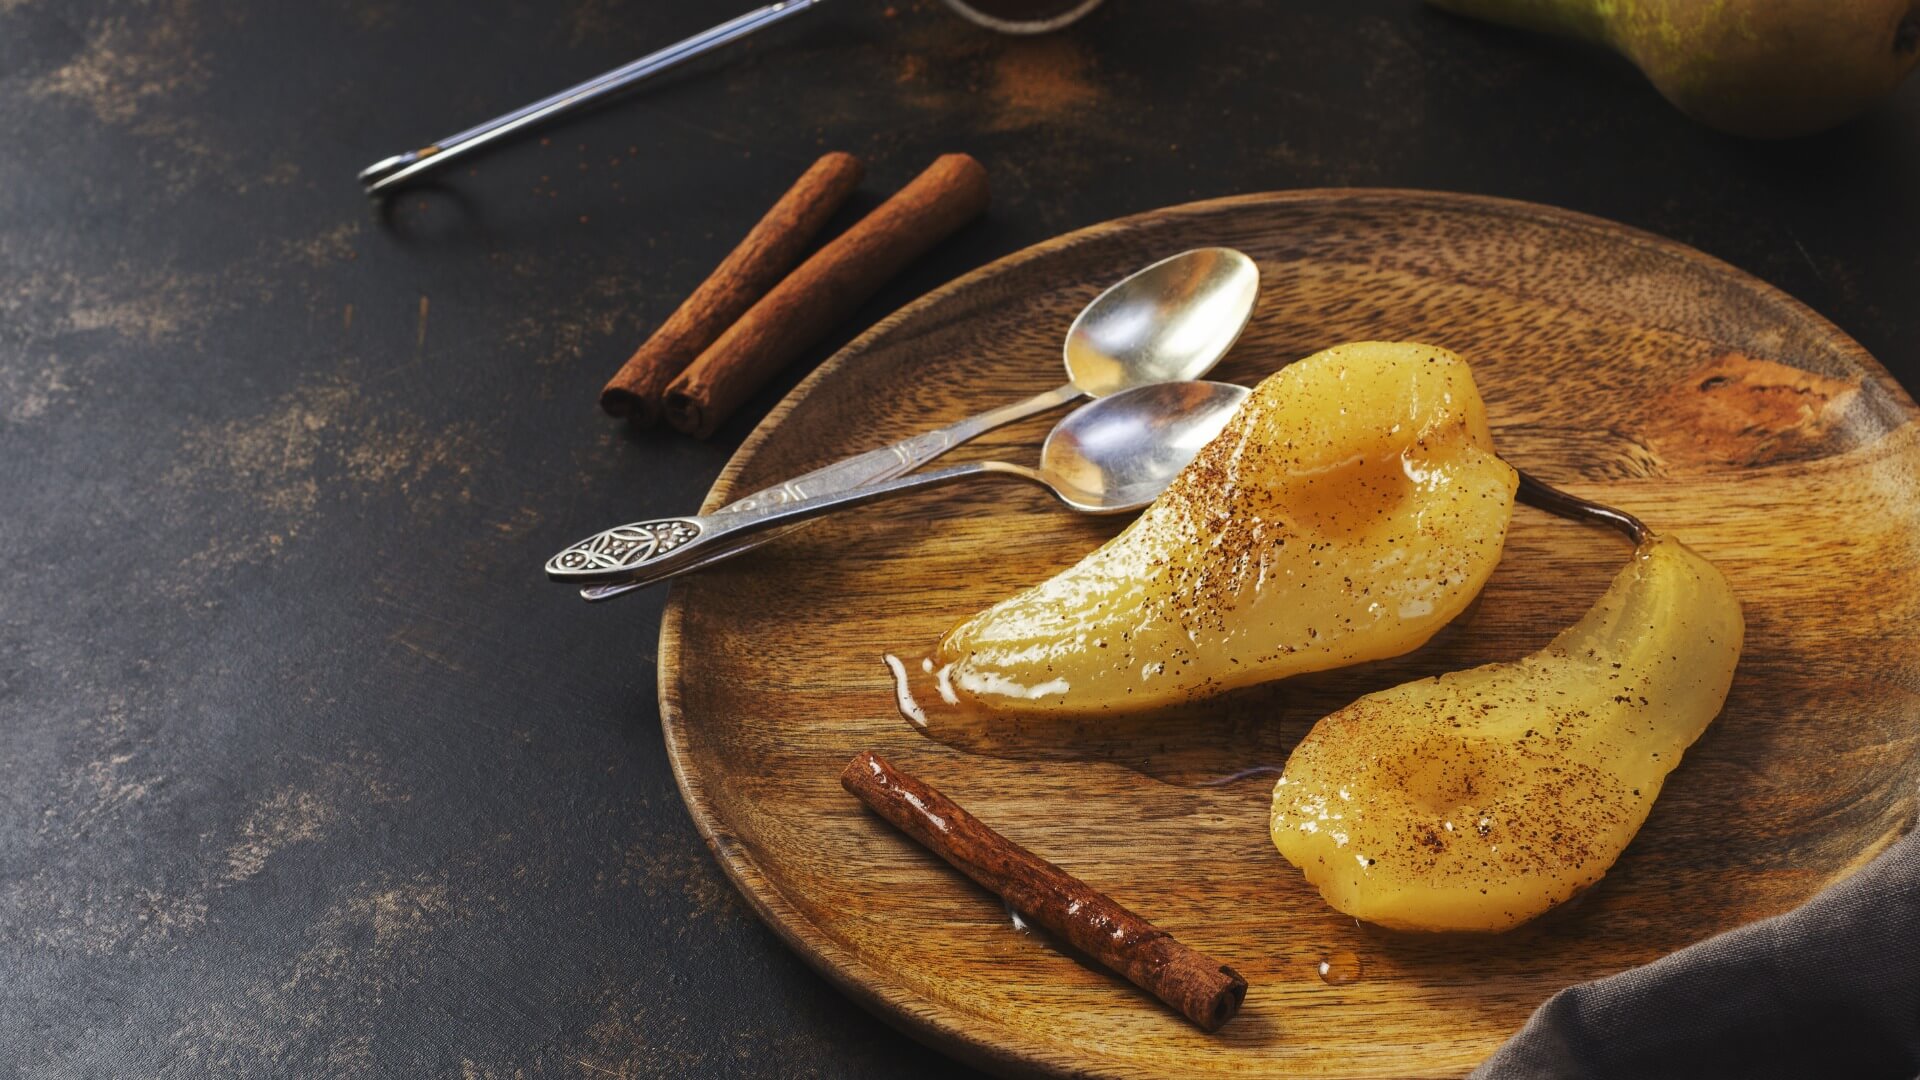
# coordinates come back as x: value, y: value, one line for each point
x: 1479, y: 799
x: 1349, y: 511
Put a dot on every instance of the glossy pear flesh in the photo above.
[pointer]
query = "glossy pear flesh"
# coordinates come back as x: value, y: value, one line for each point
x: 1479, y: 799
x: 1349, y: 510
x: 1762, y: 68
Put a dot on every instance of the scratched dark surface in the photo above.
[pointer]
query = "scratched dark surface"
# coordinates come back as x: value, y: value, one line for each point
x: 304, y: 770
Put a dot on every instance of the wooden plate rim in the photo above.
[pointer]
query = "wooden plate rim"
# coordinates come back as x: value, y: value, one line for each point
x: 964, y: 1035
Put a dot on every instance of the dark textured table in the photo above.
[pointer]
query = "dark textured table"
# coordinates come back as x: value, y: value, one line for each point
x: 304, y: 769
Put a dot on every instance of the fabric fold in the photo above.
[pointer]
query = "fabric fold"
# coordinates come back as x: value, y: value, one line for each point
x: 1830, y: 989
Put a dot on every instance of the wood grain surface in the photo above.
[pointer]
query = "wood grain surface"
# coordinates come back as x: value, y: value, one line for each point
x: 1614, y: 363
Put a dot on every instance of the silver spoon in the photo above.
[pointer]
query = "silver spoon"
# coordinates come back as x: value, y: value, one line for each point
x: 1116, y: 454
x: 1171, y: 321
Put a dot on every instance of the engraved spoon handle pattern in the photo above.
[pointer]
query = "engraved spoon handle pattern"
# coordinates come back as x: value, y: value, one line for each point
x: 874, y: 466
x: 615, y: 554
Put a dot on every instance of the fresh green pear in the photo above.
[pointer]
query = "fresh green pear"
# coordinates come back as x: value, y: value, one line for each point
x: 1762, y: 68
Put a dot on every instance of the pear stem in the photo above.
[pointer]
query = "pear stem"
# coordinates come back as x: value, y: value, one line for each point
x: 1543, y: 496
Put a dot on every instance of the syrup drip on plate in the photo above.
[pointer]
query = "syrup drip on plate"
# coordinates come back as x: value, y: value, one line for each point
x: 1340, y: 967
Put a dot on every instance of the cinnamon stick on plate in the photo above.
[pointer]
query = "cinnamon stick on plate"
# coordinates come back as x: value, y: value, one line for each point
x: 824, y: 290
x: 744, y: 276
x: 1201, y: 988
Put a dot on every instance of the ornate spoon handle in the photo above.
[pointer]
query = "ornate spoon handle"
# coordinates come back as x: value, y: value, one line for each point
x: 846, y: 474
x: 616, y: 554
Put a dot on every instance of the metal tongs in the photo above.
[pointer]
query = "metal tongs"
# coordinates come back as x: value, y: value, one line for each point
x: 383, y: 176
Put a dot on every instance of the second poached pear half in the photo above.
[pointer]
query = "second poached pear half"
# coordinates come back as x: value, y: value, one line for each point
x: 1352, y: 508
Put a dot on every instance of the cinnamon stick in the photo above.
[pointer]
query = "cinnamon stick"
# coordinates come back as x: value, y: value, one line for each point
x: 1201, y: 988
x: 823, y: 291
x: 744, y: 276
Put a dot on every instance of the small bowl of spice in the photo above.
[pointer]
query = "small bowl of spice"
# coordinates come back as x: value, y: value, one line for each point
x: 1023, y: 16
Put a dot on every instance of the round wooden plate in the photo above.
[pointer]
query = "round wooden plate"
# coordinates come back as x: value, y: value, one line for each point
x: 1615, y: 363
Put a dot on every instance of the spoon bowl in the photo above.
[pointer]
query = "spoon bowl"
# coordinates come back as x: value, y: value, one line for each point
x: 1168, y: 322
x: 1120, y: 452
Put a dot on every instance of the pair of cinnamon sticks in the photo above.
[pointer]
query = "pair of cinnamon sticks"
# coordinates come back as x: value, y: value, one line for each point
x: 752, y: 317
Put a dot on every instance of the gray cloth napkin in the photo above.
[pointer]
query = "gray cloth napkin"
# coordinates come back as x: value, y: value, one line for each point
x: 1830, y: 989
